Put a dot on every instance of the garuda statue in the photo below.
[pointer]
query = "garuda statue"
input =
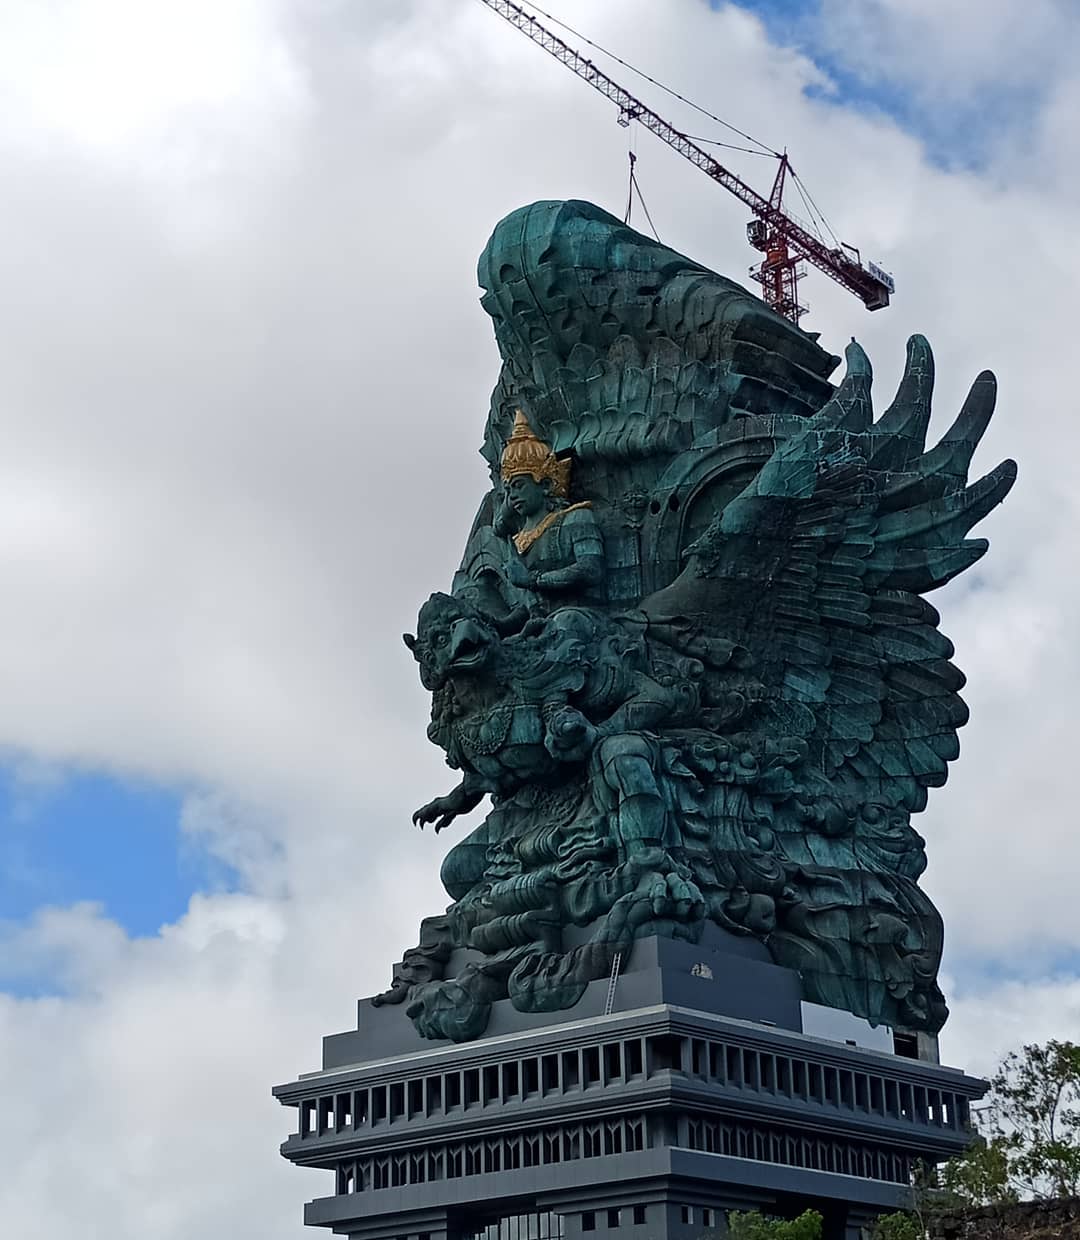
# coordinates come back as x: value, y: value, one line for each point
x: 687, y: 654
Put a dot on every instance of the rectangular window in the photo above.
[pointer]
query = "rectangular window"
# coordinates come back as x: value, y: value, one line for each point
x: 706, y: 1216
x: 416, y: 1098
x: 632, y: 1055
x: 687, y: 1214
x: 665, y: 1053
x: 530, y: 1077
x: 549, y: 1068
x: 510, y: 1080
x: 378, y: 1104
x: 434, y: 1095
x: 491, y: 1083
x: 590, y: 1065
x: 471, y: 1085
x: 343, y: 1111
x: 734, y: 1066
x: 397, y: 1100
x: 588, y: 1221
x: 613, y: 1218
x: 326, y: 1114
x: 307, y: 1117
x: 699, y: 1057
x: 612, y: 1062
x: 360, y: 1108
x: 570, y: 1070
x: 768, y: 1072
x: 798, y: 1078
x: 907, y: 1104
x: 877, y: 1095
x: 639, y: 1215
x: 453, y: 1090
x: 847, y: 1089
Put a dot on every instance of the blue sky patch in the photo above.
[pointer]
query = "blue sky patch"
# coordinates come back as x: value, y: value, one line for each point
x: 960, y: 136
x: 82, y: 836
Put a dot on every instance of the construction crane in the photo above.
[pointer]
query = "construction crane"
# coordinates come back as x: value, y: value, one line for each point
x: 783, y: 241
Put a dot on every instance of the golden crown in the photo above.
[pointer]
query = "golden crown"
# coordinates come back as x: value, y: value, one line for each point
x: 525, y: 453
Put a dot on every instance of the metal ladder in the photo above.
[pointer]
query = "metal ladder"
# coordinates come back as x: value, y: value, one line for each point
x: 616, y: 964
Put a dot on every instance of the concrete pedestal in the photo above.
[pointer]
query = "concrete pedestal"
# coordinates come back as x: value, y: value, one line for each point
x: 697, y: 1094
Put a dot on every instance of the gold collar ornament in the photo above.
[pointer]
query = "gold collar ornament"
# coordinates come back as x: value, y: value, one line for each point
x: 525, y: 453
x: 524, y: 539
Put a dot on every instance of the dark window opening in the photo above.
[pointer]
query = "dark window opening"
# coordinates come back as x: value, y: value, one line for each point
x: 530, y: 1072
x: 590, y: 1065
x: 906, y: 1045
x: 491, y: 1083
x: 416, y: 1098
x: 434, y: 1094
x: 549, y: 1066
x: 397, y: 1101
x: 471, y: 1086
x: 665, y: 1053
x: 378, y: 1104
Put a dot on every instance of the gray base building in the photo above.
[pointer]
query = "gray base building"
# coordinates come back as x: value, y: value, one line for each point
x: 708, y: 1086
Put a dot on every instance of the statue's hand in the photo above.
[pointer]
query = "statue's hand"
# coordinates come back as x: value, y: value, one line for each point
x: 570, y: 736
x: 518, y: 574
x: 442, y: 812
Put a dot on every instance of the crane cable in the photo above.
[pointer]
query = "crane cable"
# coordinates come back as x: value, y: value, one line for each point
x: 633, y: 188
x: 816, y: 214
x: 765, y: 149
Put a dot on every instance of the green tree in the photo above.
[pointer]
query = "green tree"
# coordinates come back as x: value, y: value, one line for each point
x: 1027, y: 1143
x: 750, y: 1225
x: 1034, y: 1119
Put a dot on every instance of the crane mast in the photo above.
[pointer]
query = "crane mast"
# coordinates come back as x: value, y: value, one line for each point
x: 783, y: 241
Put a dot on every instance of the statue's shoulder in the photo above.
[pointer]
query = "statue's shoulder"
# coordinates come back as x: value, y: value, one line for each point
x: 580, y: 516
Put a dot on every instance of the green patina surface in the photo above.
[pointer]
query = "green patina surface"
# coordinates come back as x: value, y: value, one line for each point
x: 715, y: 693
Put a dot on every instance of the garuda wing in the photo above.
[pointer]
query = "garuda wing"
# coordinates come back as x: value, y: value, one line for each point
x: 818, y: 566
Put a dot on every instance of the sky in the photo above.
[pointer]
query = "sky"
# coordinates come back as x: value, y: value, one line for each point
x: 243, y: 380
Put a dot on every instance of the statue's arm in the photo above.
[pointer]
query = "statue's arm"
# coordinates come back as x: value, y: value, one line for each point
x: 589, y: 564
x: 586, y: 571
x: 443, y: 810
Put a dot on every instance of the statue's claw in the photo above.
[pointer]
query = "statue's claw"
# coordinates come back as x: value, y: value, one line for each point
x: 672, y: 895
x: 441, y: 812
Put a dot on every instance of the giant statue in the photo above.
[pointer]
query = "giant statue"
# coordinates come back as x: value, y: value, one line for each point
x: 687, y: 655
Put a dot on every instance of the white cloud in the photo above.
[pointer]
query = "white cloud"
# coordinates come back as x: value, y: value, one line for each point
x: 243, y: 381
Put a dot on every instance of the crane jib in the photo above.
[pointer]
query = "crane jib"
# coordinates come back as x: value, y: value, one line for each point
x: 785, y: 242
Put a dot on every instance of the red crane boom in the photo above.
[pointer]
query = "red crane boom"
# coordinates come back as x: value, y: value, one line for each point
x: 782, y: 240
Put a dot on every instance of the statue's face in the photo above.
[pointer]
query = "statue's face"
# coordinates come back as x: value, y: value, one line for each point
x: 449, y: 641
x: 527, y: 497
